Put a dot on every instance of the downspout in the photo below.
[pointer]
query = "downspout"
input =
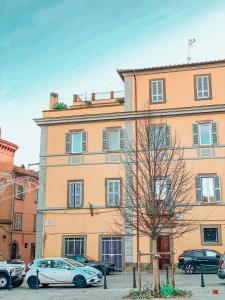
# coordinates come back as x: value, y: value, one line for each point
x: 137, y: 200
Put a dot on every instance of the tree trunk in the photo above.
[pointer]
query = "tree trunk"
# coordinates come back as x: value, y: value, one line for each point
x: 156, y: 275
x: 139, y: 271
x: 172, y: 269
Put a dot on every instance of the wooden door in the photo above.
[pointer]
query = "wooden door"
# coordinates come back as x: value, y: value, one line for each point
x: 163, y: 247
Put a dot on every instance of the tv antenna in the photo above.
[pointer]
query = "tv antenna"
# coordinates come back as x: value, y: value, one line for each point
x: 190, y: 44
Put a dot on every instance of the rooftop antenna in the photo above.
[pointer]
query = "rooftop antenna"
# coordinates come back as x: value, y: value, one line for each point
x: 190, y: 44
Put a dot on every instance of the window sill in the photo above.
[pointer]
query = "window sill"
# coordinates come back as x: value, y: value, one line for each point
x: 211, y: 244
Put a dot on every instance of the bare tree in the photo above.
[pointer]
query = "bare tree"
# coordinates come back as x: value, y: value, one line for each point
x: 158, y: 187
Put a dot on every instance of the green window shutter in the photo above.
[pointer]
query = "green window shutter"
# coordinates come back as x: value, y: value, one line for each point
x: 214, y: 133
x: 68, y: 142
x: 71, y: 194
x: 151, y: 135
x: 105, y: 140
x: 168, y: 138
x: 195, y: 131
x: 122, y: 139
x: 217, y: 188
x: 198, y: 188
x: 169, y: 196
x: 84, y: 141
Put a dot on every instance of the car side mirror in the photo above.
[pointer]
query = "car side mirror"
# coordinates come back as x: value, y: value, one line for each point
x: 67, y: 267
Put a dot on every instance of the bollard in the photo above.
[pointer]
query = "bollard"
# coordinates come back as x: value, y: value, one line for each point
x: 105, y: 283
x: 202, y: 278
x: 134, y: 278
x: 37, y: 281
x: 10, y: 280
x: 167, y: 275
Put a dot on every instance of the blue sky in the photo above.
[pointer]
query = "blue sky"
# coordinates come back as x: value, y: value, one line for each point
x: 74, y: 46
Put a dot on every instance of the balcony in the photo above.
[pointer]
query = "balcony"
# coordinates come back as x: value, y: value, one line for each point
x: 112, y: 95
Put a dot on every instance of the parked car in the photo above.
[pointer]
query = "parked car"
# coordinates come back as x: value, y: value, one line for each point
x: 221, y: 269
x: 16, y: 275
x: 19, y: 262
x: 61, y: 271
x: 194, y: 260
x: 94, y: 263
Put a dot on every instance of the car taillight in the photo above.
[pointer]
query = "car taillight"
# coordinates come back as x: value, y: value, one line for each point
x: 181, y: 257
x: 26, y: 269
x: 222, y: 264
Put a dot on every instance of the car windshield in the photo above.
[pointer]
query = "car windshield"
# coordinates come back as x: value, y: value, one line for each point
x: 74, y: 262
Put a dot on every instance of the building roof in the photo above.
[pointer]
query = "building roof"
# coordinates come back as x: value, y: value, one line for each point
x: 121, y: 72
x: 21, y: 171
x: 8, y: 146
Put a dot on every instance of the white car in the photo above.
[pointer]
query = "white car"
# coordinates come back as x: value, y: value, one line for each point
x: 61, y: 271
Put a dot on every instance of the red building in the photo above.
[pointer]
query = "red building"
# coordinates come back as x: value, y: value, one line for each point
x: 18, y: 204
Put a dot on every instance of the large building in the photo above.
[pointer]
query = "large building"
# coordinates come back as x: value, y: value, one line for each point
x: 18, y: 204
x: 81, y: 173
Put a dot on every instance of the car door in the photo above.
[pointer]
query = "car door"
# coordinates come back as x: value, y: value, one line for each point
x: 198, y: 258
x: 62, y: 271
x: 45, y: 271
x: 212, y: 259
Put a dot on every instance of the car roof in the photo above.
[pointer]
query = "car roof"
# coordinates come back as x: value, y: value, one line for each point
x: 50, y: 258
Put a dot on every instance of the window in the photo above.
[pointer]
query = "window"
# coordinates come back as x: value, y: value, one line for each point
x: 35, y: 219
x: 18, y: 221
x: 36, y: 195
x: 211, y: 235
x: 203, y: 87
x: 210, y: 253
x: 159, y: 136
x: 157, y: 90
x: 76, y: 142
x: 161, y: 189
x: 26, y: 245
x: 205, y: 134
x: 113, y: 139
x: 163, y: 195
x: 75, y: 193
x: 74, y: 245
x: 113, y: 191
x: 208, y: 188
x: 19, y: 192
x: 196, y: 253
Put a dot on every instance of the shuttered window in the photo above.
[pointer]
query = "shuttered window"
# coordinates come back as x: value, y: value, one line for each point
x: 113, y: 139
x: 18, y: 221
x: 75, y: 193
x: 19, y: 192
x: 113, y: 191
x: 163, y: 194
x: 157, y: 88
x: 159, y: 136
x: 76, y: 142
x: 208, y: 189
x: 205, y: 134
x: 202, y: 87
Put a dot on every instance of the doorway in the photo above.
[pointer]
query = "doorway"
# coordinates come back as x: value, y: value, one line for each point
x: 163, y: 248
x: 14, y: 250
x: 111, y: 251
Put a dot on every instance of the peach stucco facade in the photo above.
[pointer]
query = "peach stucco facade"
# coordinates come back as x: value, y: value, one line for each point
x: 91, y: 227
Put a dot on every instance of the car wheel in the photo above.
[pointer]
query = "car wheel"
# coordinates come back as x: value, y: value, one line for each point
x: 4, y: 281
x: 79, y: 281
x: 189, y: 268
x: 17, y: 283
x: 32, y: 282
x: 44, y: 285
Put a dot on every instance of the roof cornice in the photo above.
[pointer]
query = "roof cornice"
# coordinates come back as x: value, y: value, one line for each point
x: 130, y: 115
x: 7, y: 146
x: 171, y: 68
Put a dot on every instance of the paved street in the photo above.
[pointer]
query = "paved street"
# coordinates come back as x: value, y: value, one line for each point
x: 118, y: 286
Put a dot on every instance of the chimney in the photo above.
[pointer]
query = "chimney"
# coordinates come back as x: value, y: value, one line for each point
x: 76, y: 99
x: 54, y: 98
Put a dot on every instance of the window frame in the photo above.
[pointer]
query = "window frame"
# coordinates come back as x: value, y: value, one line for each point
x: 68, y: 193
x: 14, y: 221
x: 21, y: 195
x: 64, y: 237
x: 218, y: 227
x: 209, y: 87
x: 106, y: 191
x: 210, y: 131
x: 117, y: 129
x: 213, y: 176
x: 163, y: 93
x: 72, y: 139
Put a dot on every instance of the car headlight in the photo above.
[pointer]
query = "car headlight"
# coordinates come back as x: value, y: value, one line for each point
x: 89, y: 272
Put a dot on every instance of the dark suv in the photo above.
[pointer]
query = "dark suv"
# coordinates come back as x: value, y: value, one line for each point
x: 201, y: 259
x: 95, y: 264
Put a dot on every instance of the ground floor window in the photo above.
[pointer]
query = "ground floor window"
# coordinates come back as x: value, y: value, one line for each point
x: 74, y: 245
x: 211, y: 234
x: 111, y: 251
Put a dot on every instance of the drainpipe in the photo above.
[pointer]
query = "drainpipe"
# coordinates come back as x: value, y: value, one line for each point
x: 137, y: 200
